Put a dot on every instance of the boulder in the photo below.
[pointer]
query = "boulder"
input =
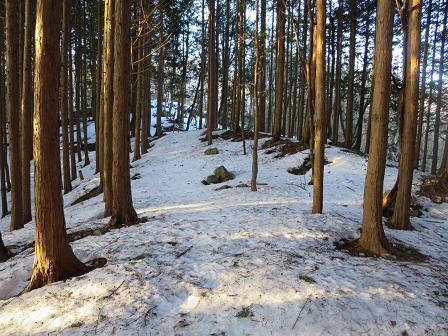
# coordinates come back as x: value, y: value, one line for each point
x: 220, y: 174
x: 211, y: 151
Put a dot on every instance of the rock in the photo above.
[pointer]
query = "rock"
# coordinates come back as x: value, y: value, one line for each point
x: 220, y: 174
x: 225, y: 186
x: 223, y: 174
x: 242, y: 185
x: 211, y: 151
x: 97, y: 233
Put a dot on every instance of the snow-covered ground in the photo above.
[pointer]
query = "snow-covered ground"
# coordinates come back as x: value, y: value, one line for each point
x: 232, y: 262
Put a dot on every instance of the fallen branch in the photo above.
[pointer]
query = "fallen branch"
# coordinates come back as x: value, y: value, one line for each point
x: 300, y: 312
x: 184, y: 252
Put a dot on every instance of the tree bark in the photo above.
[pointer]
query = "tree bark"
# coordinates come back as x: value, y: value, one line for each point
x: 123, y: 212
x: 421, y: 107
x: 26, y: 114
x: 279, y: 70
x: 351, y: 75
x: 212, y: 75
x: 372, y: 237
x: 13, y: 111
x: 64, y: 98
x: 400, y: 217
x: 435, y: 151
x: 54, y: 259
x: 160, y: 72
x: 320, y: 133
x: 337, y: 97
x: 108, y: 99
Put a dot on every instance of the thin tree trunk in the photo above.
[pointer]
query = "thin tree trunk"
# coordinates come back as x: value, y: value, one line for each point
x: 160, y: 72
x: 320, y: 133
x: 337, y: 98
x: 71, y: 117
x: 279, y: 70
x: 421, y: 107
x: 351, y: 75
x: 26, y: 114
x: 64, y: 98
x: 212, y: 78
x: 435, y: 151
x: 3, y: 158
x: 13, y: 106
x: 108, y: 98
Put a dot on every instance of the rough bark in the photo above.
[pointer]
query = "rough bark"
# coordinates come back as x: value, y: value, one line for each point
x: 160, y: 71
x: 26, y: 114
x: 400, y: 217
x: 67, y: 185
x: 279, y: 70
x: 13, y: 111
x: 351, y: 75
x: 337, y: 97
x: 372, y: 237
x: 54, y: 259
x: 123, y: 212
x: 212, y: 75
x: 320, y: 133
x: 108, y: 99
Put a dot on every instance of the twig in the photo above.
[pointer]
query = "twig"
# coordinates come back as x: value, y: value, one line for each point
x: 300, y: 312
x: 113, y: 291
x: 184, y: 252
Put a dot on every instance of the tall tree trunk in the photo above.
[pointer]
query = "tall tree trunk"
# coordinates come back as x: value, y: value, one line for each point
x: 123, y: 212
x: 226, y: 59
x: 139, y: 89
x: 271, y: 70
x: 430, y: 98
x: 257, y: 72
x: 435, y: 151
x: 362, y: 106
x: 3, y: 158
x: 64, y: 98
x: 98, y: 102
x: 108, y: 99
x: 160, y: 71
x: 320, y: 133
x: 279, y: 70
x: 26, y: 114
x: 400, y: 217
x: 13, y: 106
x: 262, y: 79
x: 351, y: 75
x: 212, y: 76
x: 421, y: 107
x: 337, y: 93
x: 71, y: 116
x: 54, y: 259
x: 373, y: 238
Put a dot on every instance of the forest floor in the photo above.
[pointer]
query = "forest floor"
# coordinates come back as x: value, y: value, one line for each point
x: 232, y: 262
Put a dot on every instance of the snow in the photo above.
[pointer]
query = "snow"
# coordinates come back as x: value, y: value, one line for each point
x: 232, y: 262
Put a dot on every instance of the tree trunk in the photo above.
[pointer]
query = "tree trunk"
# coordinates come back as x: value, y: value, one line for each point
x: 13, y: 106
x: 337, y: 97
x: 421, y: 107
x: 435, y: 151
x: 71, y: 117
x: 362, y: 106
x: 320, y: 133
x: 108, y: 99
x: 400, y: 217
x: 64, y: 98
x: 54, y: 259
x: 123, y: 212
x: 3, y: 158
x: 279, y: 70
x: 160, y: 72
x: 212, y: 78
x: 351, y: 75
x: 4, y: 252
x: 139, y: 89
x: 372, y: 237
x: 26, y: 115
x: 257, y: 72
